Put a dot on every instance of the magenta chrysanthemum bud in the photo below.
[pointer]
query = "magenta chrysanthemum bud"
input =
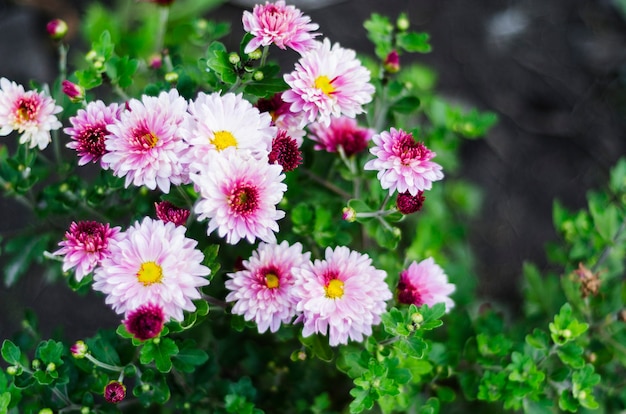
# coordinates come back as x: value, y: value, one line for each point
x: 155, y: 61
x: 57, y: 29
x: 75, y: 92
x: 425, y: 283
x: 348, y: 214
x: 79, y: 349
x: 114, y: 392
x: 342, y: 132
x: 407, y: 204
x: 168, y: 212
x: 145, y: 322
x: 392, y: 62
x: 285, y: 152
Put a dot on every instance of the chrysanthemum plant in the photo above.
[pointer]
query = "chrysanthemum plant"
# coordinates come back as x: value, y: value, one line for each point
x: 281, y: 239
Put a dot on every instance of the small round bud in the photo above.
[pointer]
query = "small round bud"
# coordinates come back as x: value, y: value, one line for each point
x: 79, y: 349
x: 91, y: 56
x: 417, y: 318
x: 302, y: 355
x: 98, y: 64
x: 234, y: 58
x: 145, y: 387
x: 114, y: 392
x: 171, y: 77
x: 592, y: 357
x: 255, y: 54
x: 392, y: 62
x: 36, y: 364
x: 258, y: 75
x: 57, y: 29
x: 348, y: 214
x: 410, y: 327
x: 156, y: 341
x: 566, y: 333
x: 75, y: 92
x: 85, y: 410
x: 201, y: 25
x: 12, y: 370
x: 51, y: 367
x: 403, y: 22
x: 46, y: 411
x: 155, y: 61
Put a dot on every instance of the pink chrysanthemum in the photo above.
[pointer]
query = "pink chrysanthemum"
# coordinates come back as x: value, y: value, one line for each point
x: 168, y: 212
x: 343, y: 295
x: 146, y: 145
x: 30, y: 113
x: 403, y: 164
x: 239, y: 193
x: 282, y: 117
x: 152, y: 263
x: 219, y: 122
x: 342, y: 132
x: 89, y: 129
x: 285, y: 152
x: 263, y: 290
x: 284, y: 26
x: 328, y: 83
x: 425, y: 283
x: 145, y: 322
x: 86, y: 244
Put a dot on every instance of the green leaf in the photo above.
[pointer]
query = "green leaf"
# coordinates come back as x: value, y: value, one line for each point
x: 618, y: 177
x: 121, y: 70
x: 50, y: 352
x: 432, y: 315
x: 566, y: 327
x: 571, y: 354
x: 413, y: 346
x: 319, y: 347
x: 414, y: 42
x: 272, y: 83
x: 567, y: 402
x: 217, y: 60
x: 5, y: 400
x: 88, y: 78
x: 21, y: 253
x: 160, y: 351
x: 380, y: 31
x: 43, y: 377
x: 605, y: 219
x: 11, y: 353
x: 104, y: 46
x: 189, y: 357
x: 539, y: 340
x: 154, y: 389
x: 406, y: 105
x: 362, y: 400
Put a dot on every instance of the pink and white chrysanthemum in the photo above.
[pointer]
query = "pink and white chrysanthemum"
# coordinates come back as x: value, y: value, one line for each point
x: 238, y: 194
x: 328, y: 82
x: 86, y: 244
x: 89, y: 129
x: 403, y: 164
x: 342, y: 296
x: 282, y: 117
x: 152, y: 263
x: 30, y: 113
x: 342, y: 132
x: 425, y: 283
x: 263, y: 290
x: 219, y: 122
x: 146, y: 145
x: 284, y: 26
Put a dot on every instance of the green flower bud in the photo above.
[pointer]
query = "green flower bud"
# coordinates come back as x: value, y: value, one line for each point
x: 258, y: 75
x: 171, y: 77
x: 234, y: 58
x: 255, y: 54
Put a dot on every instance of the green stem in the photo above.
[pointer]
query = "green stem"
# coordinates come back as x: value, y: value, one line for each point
x: 214, y: 301
x: 264, y: 56
x: 104, y: 364
x: 379, y: 213
x: 160, y: 36
x: 332, y: 187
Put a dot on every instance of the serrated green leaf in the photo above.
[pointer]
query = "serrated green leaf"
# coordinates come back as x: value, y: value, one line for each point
x: 160, y: 352
x: 189, y: 357
x: 406, y: 105
x: 414, y: 42
x: 50, y: 352
x: 5, y: 400
x: 11, y: 352
x: 571, y: 354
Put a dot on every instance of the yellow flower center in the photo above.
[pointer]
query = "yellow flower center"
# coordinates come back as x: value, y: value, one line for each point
x: 223, y: 140
x: 271, y: 281
x: 149, y: 273
x: 334, y: 289
x: 150, y: 139
x: 322, y: 82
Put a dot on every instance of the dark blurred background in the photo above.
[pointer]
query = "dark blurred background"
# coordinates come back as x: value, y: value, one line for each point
x: 554, y: 72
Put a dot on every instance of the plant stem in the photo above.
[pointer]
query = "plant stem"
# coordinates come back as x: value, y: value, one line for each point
x: 104, y: 364
x: 160, y: 36
x: 264, y: 56
x: 326, y: 184
x: 214, y: 301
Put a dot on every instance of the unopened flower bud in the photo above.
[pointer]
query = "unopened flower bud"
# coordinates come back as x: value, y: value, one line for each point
x: 155, y: 61
x: 234, y: 58
x: 46, y: 411
x: 51, y: 367
x: 75, y: 92
x: 403, y: 22
x: 407, y: 204
x: 255, y: 54
x: 417, y: 318
x: 392, y: 62
x: 12, y: 370
x: 171, y: 77
x: 91, y: 56
x: 114, y: 392
x: 57, y: 29
x: 348, y: 214
x: 258, y: 75
x: 85, y: 410
x: 36, y: 364
x: 79, y: 349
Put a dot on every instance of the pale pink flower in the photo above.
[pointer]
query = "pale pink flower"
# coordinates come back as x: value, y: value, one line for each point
x: 152, y: 263
x: 86, y: 244
x: 328, y: 83
x: 219, y: 122
x: 341, y: 296
x: 342, y: 132
x: 403, y: 164
x: 282, y: 117
x: 89, y: 129
x: 238, y: 194
x: 425, y: 283
x: 146, y: 145
x: 30, y: 113
x: 284, y: 26
x: 263, y: 291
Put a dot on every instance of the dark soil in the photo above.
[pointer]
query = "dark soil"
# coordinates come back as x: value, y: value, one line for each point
x: 553, y: 71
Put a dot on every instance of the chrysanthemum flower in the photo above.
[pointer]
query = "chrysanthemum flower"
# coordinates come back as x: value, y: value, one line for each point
x: 342, y: 132
x: 145, y: 322
x: 219, y: 122
x: 425, y: 283
x: 403, y: 164
x: 328, y: 83
x: 284, y: 26
x: 282, y: 117
x: 114, y: 392
x: 342, y: 296
x: 30, y: 113
x: 152, y: 263
x: 146, y: 145
x: 86, y: 244
x: 285, y: 152
x: 263, y: 290
x: 89, y: 129
x: 168, y: 212
x: 408, y: 204
x: 238, y: 194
